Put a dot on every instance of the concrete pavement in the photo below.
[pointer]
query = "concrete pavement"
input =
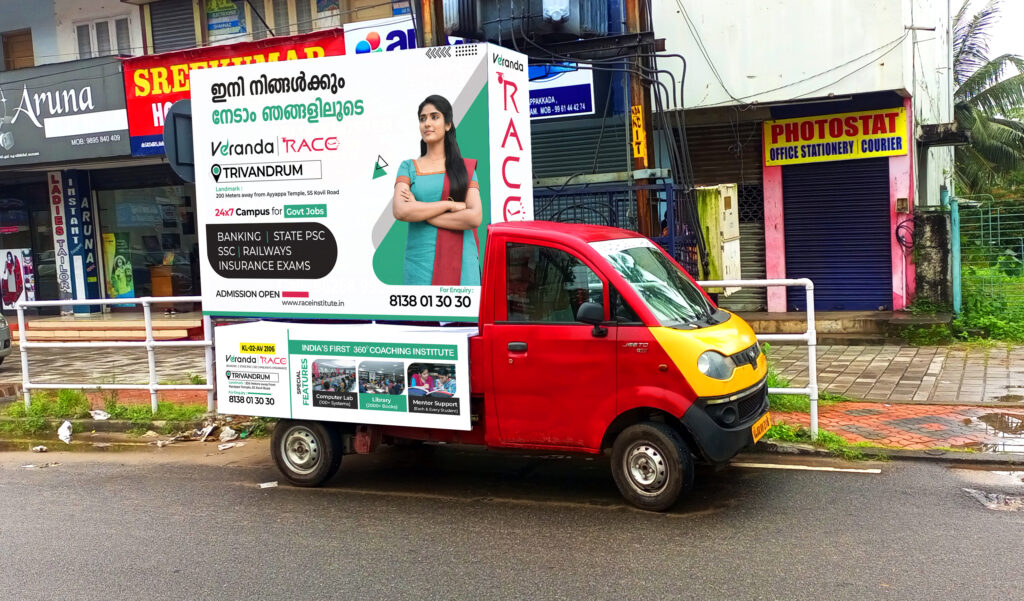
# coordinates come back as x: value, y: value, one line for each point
x: 969, y: 397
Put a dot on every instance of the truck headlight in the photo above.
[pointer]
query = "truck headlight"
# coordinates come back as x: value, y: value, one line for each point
x: 715, y: 365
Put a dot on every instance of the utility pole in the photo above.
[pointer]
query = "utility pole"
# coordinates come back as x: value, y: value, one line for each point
x: 429, y: 15
x: 640, y: 118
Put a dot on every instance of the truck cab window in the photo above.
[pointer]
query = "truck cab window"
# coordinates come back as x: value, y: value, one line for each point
x: 622, y: 313
x: 548, y: 285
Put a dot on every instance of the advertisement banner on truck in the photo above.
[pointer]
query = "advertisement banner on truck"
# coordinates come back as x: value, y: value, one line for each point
x: 863, y: 135
x: 153, y: 83
x: 314, y: 198
x: 379, y: 374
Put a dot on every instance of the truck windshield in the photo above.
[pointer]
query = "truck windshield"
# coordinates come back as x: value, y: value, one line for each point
x: 664, y: 288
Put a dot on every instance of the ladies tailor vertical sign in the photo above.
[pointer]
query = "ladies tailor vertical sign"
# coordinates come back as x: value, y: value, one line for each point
x: 358, y: 186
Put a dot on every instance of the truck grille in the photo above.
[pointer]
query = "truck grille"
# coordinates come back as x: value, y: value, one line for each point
x: 750, y: 405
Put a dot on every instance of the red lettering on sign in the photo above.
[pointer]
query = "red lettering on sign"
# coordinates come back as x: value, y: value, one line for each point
x: 850, y: 123
x: 878, y: 125
x: 821, y: 127
x: 777, y: 130
x: 806, y: 130
x: 504, y: 174
x: 891, y: 117
x: 865, y: 124
x: 510, y: 132
x: 792, y: 132
x: 835, y: 128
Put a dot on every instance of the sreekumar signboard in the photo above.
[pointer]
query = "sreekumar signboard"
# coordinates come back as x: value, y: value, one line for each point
x: 296, y: 170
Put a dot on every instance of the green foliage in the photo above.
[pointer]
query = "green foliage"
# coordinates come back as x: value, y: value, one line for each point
x: 830, y: 441
x: 924, y: 306
x: 67, y: 404
x: 985, y: 102
x: 165, y: 411
x: 927, y: 334
x: 259, y: 427
x: 792, y: 403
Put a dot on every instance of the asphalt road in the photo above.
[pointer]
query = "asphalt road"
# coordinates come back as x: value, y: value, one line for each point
x: 456, y: 523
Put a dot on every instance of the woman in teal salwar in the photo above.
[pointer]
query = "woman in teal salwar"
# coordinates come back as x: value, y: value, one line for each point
x: 438, y: 195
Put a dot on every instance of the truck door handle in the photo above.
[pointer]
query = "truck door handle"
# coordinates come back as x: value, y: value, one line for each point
x: 517, y: 347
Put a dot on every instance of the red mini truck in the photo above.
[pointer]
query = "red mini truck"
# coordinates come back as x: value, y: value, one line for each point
x: 590, y: 340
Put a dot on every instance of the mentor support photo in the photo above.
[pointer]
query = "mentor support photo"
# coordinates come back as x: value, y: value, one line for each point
x: 438, y: 195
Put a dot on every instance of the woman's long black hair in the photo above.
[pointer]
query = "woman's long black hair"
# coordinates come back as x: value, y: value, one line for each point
x: 458, y: 178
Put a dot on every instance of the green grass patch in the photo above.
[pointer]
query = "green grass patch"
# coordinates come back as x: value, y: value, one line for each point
x: 793, y: 403
x: 144, y: 414
x: 830, y: 441
x: 65, y: 404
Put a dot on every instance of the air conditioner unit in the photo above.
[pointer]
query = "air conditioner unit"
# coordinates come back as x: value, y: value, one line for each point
x: 502, y: 21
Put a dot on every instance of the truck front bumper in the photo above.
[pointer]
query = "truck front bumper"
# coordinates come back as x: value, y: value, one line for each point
x: 718, y: 443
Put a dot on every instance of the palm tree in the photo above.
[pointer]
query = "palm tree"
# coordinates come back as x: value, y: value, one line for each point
x: 984, y: 102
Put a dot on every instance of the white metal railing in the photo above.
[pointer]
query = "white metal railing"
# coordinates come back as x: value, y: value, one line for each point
x: 150, y: 345
x: 810, y: 338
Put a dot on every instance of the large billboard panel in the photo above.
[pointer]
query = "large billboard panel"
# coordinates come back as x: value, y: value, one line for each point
x: 297, y: 167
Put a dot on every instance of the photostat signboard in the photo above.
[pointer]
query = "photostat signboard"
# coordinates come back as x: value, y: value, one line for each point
x: 862, y: 135
x: 346, y: 373
x: 296, y: 169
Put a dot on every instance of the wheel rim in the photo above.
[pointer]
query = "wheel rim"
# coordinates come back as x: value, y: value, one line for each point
x: 646, y: 468
x: 300, y: 450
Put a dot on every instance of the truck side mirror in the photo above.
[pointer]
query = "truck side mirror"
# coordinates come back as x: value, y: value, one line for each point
x: 593, y: 314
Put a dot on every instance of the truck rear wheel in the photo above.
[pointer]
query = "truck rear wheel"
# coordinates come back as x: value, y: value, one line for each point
x: 307, y: 453
x: 652, y: 466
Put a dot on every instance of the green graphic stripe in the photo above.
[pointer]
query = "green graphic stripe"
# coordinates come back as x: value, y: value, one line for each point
x: 386, y: 350
x: 304, y: 211
x: 382, y: 402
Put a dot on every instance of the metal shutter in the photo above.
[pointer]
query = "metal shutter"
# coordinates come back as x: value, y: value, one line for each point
x: 567, y: 147
x: 726, y: 153
x: 837, y: 234
x: 731, y: 154
x: 174, y: 26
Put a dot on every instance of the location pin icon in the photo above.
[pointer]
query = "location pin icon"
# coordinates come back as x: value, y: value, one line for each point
x: 215, y: 170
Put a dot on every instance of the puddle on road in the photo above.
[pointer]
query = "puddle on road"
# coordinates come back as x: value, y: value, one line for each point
x: 54, y: 446
x: 996, y: 501
x: 1006, y: 429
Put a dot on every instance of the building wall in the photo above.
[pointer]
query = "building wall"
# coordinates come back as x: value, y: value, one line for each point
x: 784, y: 49
x: 931, y: 87
x: 71, y: 13
x: 794, y: 50
x: 37, y: 16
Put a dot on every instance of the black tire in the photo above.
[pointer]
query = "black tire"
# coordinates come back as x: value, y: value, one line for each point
x: 306, y: 453
x: 652, y: 466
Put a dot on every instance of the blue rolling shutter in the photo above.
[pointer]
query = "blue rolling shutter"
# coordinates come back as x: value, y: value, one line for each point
x: 837, y: 234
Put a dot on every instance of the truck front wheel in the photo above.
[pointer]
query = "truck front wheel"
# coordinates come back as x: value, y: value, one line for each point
x: 307, y: 453
x: 652, y: 466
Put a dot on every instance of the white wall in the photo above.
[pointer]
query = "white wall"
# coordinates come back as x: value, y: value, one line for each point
x: 37, y: 16
x: 791, y: 50
x: 75, y: 12
x: 800, y: 46
x: 931, y: 87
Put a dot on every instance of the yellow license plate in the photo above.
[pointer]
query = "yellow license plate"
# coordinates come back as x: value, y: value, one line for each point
x: 761, y: 426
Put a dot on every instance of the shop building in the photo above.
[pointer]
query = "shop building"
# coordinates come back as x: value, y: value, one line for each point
x: 89, y: 207
x: 814, y: 113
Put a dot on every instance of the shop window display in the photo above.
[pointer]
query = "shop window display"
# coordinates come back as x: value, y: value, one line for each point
x: 149, y: 243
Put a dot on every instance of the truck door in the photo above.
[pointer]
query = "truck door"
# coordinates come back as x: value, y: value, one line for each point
x: 554, y: 380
